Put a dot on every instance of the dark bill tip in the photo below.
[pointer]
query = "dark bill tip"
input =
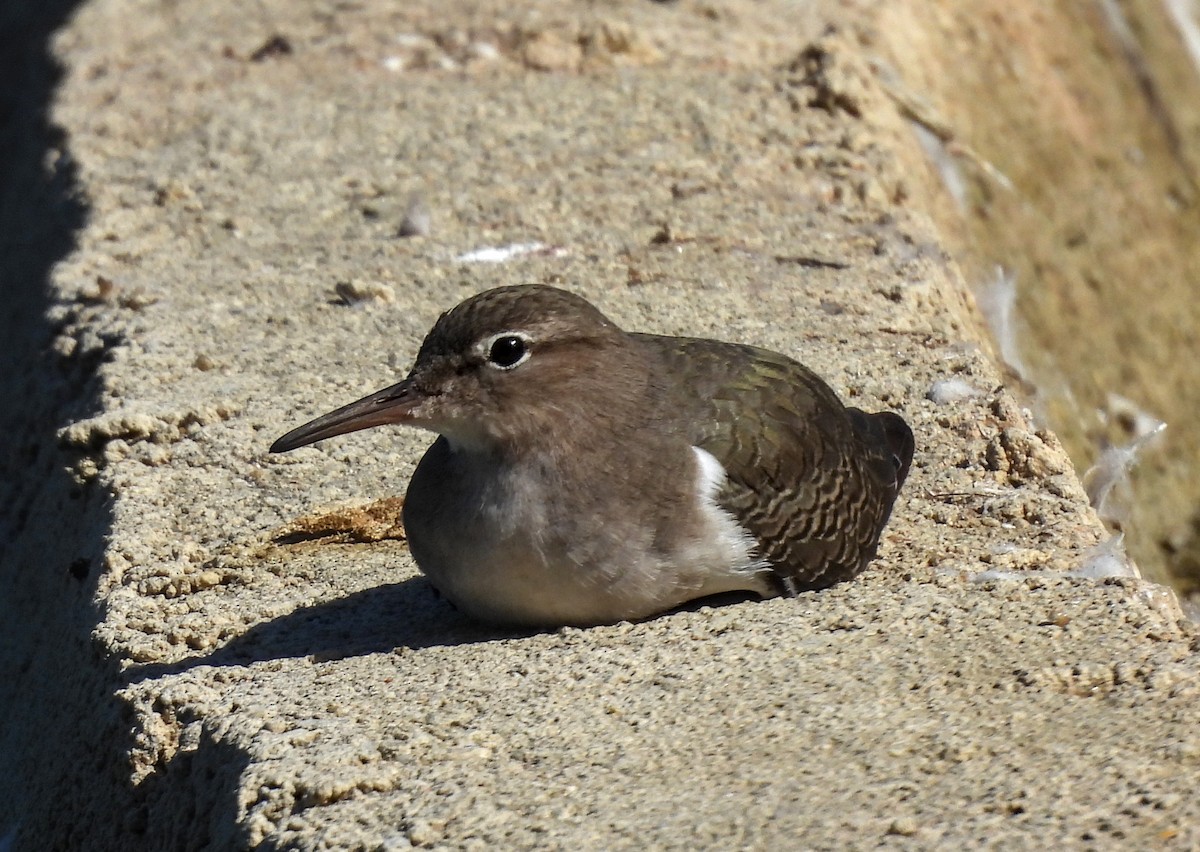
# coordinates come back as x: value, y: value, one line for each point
x: 390, y: 405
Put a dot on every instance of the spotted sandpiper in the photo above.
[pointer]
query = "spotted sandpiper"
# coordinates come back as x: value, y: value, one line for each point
x: 587, y: 475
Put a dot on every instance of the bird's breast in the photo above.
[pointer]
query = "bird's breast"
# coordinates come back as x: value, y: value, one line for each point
x: 522, y: 543
x: 490, y: 536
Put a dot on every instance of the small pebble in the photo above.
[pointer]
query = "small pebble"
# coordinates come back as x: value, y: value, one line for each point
x: 416, y: 221
x: 423, y: 833
x: 357, y: 292
x: 903, y: 826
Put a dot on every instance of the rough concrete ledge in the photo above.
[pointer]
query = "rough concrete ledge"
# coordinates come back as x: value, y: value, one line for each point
x: 207, y: 647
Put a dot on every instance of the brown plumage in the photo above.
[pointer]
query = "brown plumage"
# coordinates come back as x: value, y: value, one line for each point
x: 813, y: 481
x: 587, y: 475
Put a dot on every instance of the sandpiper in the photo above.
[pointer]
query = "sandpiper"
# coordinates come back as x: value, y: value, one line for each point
x: 586, y: 475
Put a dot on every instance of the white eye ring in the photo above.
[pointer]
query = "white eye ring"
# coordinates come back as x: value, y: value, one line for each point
x: 506, y: 350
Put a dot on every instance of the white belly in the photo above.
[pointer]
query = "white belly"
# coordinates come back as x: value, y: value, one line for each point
x: 502, y: 546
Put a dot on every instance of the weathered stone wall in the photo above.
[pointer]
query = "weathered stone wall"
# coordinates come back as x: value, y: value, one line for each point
x: 205, y: 647
x: 1074, y: 131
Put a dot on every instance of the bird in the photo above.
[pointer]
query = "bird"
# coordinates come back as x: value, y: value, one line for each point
x: 587, y: 475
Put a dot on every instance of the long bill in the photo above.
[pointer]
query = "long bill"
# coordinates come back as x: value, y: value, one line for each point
x: 390, y: 405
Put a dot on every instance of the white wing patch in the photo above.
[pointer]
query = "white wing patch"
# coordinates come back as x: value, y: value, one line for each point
x: 729, y: 546
x: 712, y: 474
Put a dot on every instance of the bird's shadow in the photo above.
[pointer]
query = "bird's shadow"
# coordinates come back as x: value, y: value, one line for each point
x: 409, y: 614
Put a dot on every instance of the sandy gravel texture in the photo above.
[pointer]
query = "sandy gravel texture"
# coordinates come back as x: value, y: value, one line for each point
x: 231, y: 649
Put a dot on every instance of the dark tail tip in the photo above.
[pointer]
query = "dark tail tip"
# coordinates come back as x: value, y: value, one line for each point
x: 900, y: 441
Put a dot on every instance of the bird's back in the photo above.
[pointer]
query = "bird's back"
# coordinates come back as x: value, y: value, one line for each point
x: 812, y: 480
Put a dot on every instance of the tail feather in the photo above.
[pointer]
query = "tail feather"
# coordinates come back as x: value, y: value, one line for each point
x: 900, y: 440
x: 887, y: 430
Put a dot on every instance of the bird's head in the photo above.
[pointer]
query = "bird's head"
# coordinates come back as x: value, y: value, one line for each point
x: 502, y: 366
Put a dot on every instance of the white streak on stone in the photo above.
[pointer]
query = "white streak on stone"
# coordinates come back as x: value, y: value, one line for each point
x: 502, y: 254
x: 948, y: 391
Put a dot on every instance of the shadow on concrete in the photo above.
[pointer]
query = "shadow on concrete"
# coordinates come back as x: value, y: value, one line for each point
x: 377, y: 620
x: 192, y: 803
x: 65, y: 737
x: 410, y: 614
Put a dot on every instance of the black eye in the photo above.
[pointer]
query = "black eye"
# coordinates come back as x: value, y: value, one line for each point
x: 507, y: 351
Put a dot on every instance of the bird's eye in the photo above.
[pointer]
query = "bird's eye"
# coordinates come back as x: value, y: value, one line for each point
x: 507, y: 351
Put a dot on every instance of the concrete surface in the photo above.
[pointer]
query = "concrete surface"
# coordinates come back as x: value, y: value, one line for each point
x: 208, y: 647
